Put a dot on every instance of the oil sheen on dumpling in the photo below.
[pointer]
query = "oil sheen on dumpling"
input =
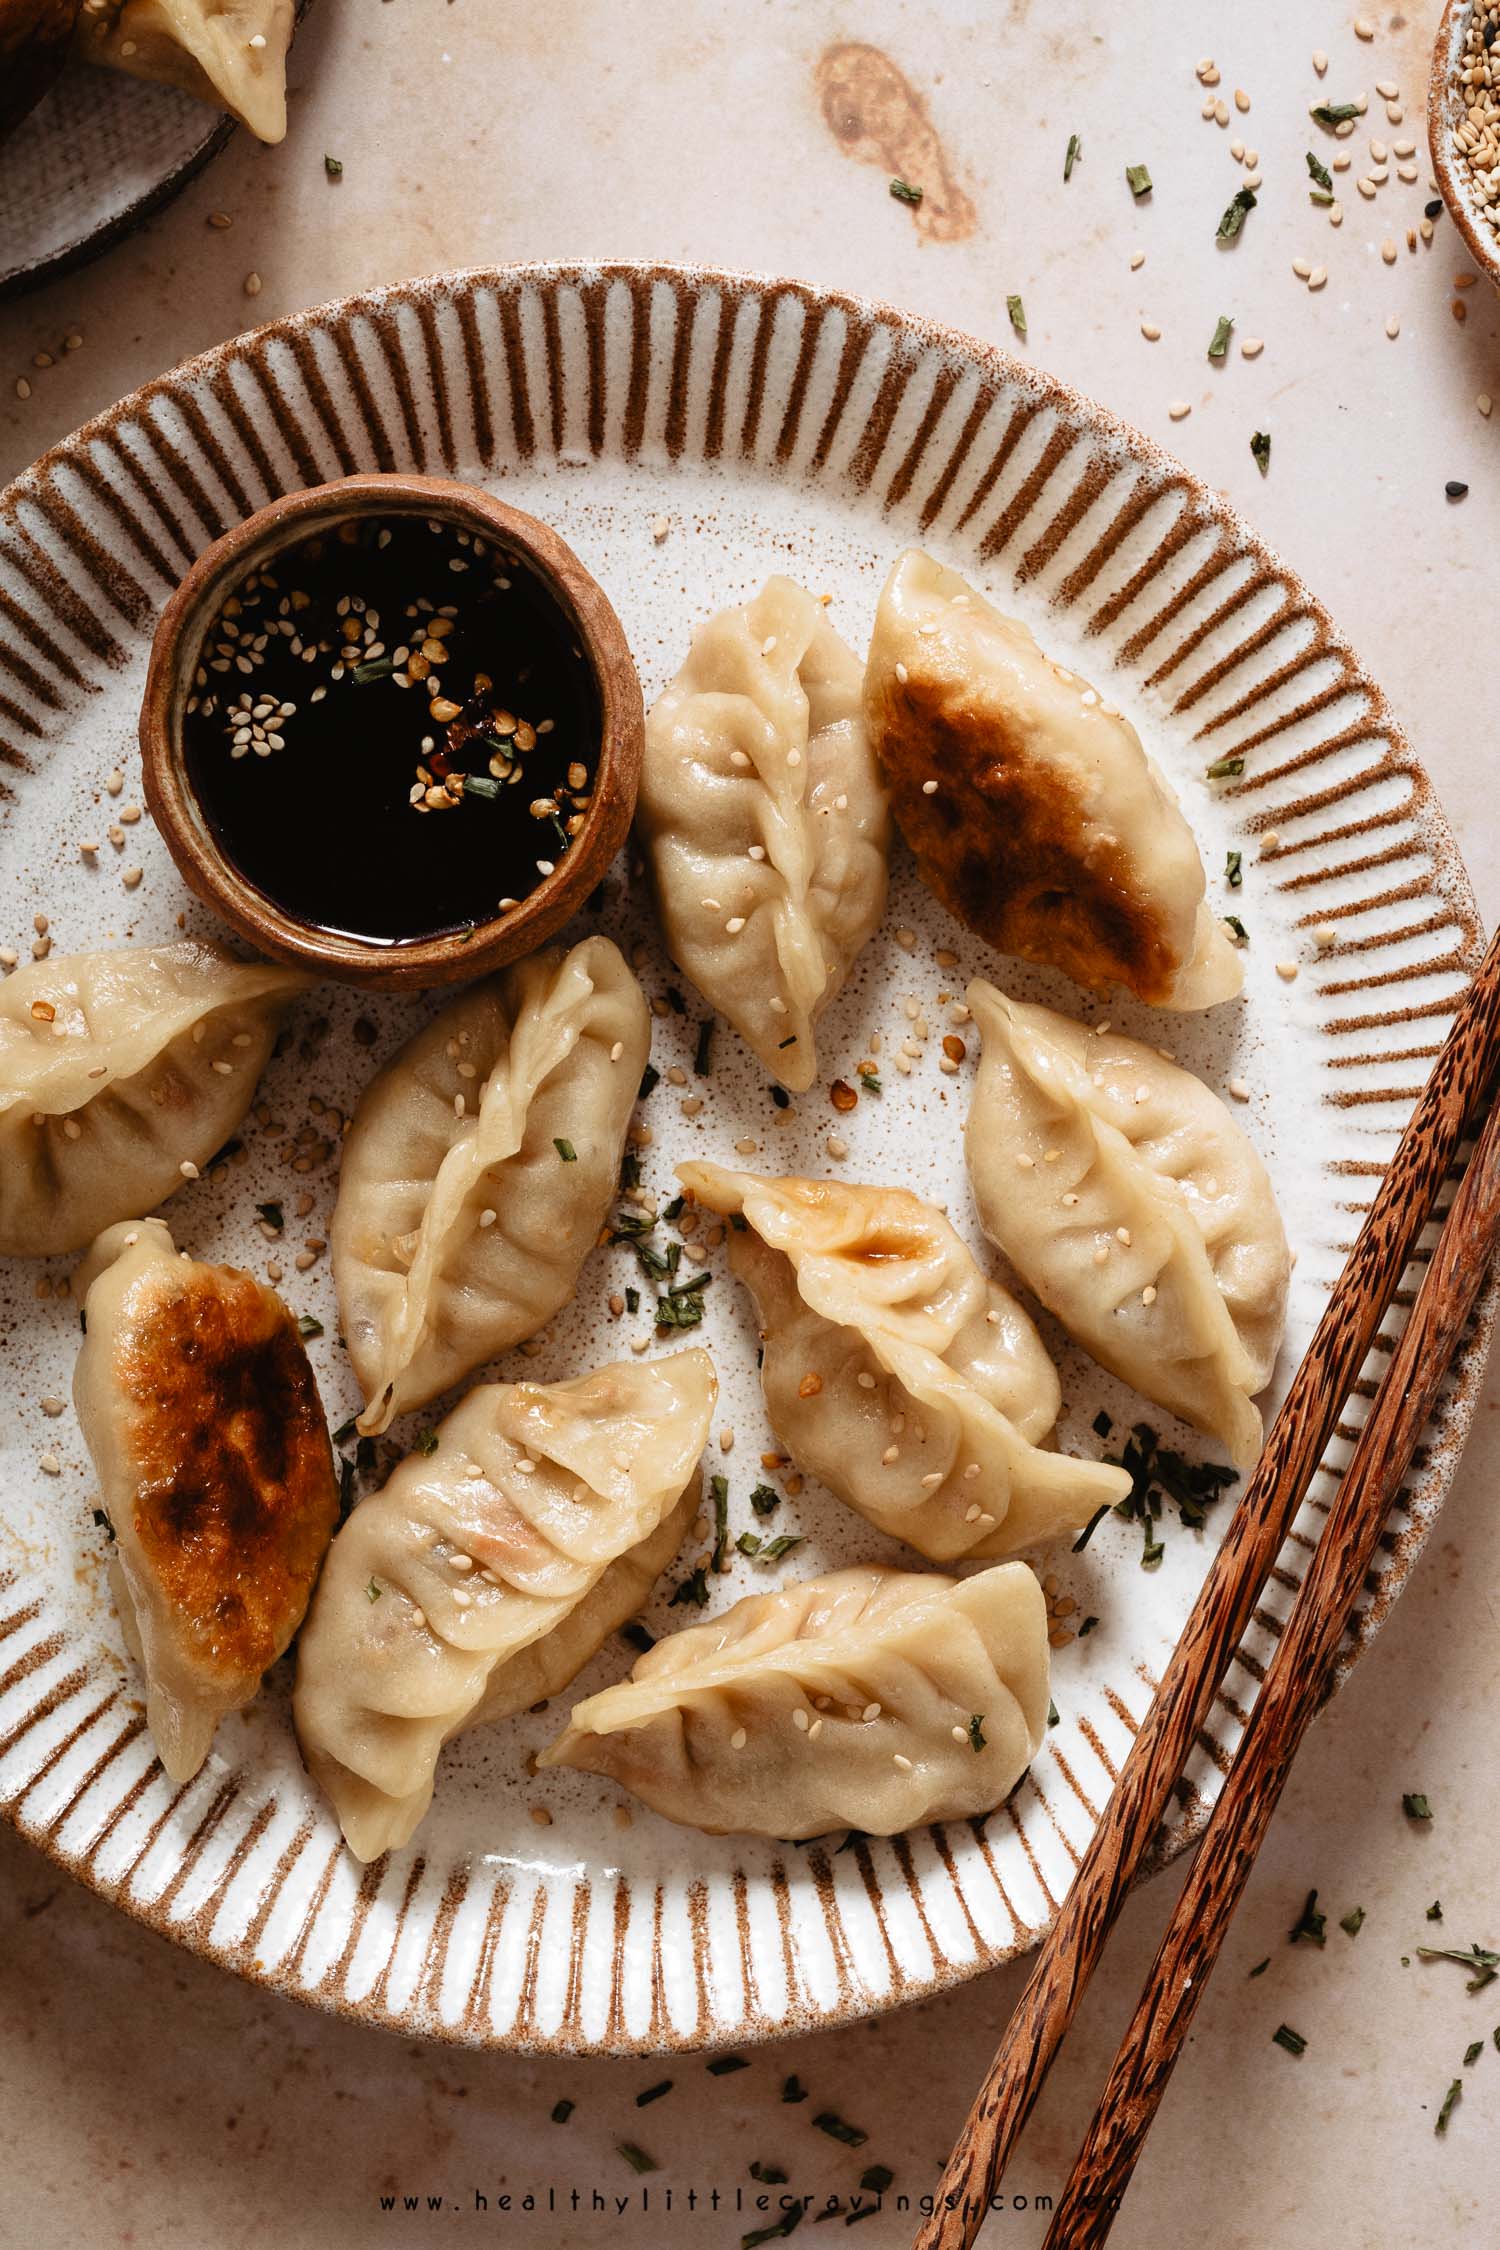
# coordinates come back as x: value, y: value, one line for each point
x: 486, y: 1572
x: 1049, y: 831
x: 916, y: 1388
x: 846, y: 1702
x: 764, y: 821
x: 116, y: 1070
x: 1125, y: 1195
x: 479, y: 1168
x: 204, y: 1425
x: 231, y: 53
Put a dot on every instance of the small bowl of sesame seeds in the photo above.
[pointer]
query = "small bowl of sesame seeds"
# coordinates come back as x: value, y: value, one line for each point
x: 1463, y: 125
x: 392, y: 730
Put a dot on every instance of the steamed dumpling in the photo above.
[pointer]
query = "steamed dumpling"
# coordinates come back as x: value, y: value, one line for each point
x: 231, y: 53
x: 764, y: 821
x: 1049, y: 832
x: 208, y: 1438
x: 479, y: 1168
x: 870, y: 1699
x: 486, y: 1573
x: 1152, y: 1233
x: 916, y: 1389
x: 116, y: 1070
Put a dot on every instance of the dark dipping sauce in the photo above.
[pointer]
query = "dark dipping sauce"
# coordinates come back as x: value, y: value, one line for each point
x: 393, y: 731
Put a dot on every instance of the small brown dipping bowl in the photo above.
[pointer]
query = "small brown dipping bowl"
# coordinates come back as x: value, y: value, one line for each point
x: 178, y: 650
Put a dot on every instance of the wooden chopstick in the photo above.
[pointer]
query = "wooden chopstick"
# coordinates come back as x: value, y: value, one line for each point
x: 1289, y: 1696
x: 1069, y: 1953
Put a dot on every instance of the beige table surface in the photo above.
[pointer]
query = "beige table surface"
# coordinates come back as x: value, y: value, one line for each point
x: 148, y: 2098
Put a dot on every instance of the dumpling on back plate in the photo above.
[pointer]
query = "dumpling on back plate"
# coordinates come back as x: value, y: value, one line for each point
x: 478, y: 1170
x: 487, y: 1571
x: 231, y: 53
x: 209, y: 1441
x: 916, y: 1388
x: 121, y: 1073
x: 1125, y: 1195
x: 870, y: 1699
x: 1032, y: 809
x: 764, y: 821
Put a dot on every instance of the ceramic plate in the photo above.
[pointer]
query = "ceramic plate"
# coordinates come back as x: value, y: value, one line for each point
x: 762, y: 426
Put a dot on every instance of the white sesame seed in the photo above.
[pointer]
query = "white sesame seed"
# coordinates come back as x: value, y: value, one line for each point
x: 50, y: 1465
x: 1286, y: 970
x: 1179, y: 410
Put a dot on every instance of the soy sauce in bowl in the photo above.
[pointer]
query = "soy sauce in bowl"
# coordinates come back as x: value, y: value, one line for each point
x: 392, y: 731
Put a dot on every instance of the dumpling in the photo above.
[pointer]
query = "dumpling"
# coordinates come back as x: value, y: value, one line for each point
x: 764, y: 821
x: 209, y: 1441
x: 1049, y: 831
x: 231, y: 53
x: 870, y: 1699
x: 917, y: 1389
x: 1124, y: 1194
x: 486, y: 1572
x: 116, y: 1071
x: 479, y: 1168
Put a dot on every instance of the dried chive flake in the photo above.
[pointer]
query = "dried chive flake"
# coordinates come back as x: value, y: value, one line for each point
x: 1293, y: 2041
x: 1435, y: 1911
x: 1261, y: 1967
x: 308, y: 1327
x: 769, y: 2175
x: 765, y: 1500
x: 719, y: 1486
x: 1415, y: 1805
x: 1234, y: 869
x: 425, y: 1442
x: 723, y: 2066
x: 1237, y: 929
x: 1138, y: 180
x: 1480, y: 1958
x: 976, y: 1731
x: 1224, y: 769
x: 1017, y: 312
x: 793, y: 2090
x: 1450, y: 2102
x: 1219, y: 341
x: 650, y: 1080
x: 379, y: 668
x: 876, y: 2178
x: 787, y: 2224
x: 1319, y: 171
x: 1075, y: 150
x: 1310, y: 1924
x: 653, y: 2093
x: 636, y: 2158
x: 839, y: 2129
x: 1472, y: 2053
x: 693, y: 1591
x: 272, y: 1214
x: 562, y: 2111
x: 904, y: 192
x: 1260, y: 448
x: 566, y: 1151
x: 703, y: 1051
x: 1353, y: 1921
x: 1090, y: 1528
x: 481, y: 785
x: 1334, y: 113
x: 1234, y: 217
x: 333, y: 166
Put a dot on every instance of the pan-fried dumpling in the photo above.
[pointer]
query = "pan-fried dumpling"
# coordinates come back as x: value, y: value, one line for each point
x: 1033, y: 811
x: 479, y: 1168
x: 917, y: 1389
x: 764, y: 821
x: 485, y: 1574
x: 116, y: 1071
x: 1124, y: 1194
x: 211, y: 1448
x: 870, y: 1699
x: 231, y: 53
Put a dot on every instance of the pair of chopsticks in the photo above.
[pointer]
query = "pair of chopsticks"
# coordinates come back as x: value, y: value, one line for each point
x: 1459, y: 1096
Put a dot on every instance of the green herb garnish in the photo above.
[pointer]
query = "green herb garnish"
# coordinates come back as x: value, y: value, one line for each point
x: 308, y: 1327
x: 426, y: 1442
x: 794, y: 2090
x: 632, y: 1300
x: 373, y: 1592
x: 719, y: 1486
x: 562, y: 2111
x: 904, y: 192
x: 1415, y: 1806
x: 102, y: 1523
x: 380, y: 668
x: 1261, y: 1967
x: 1138, y: 179
x: 1087, y: 1627
x: 566, y: 1151
x: 1480, y: 1958
x: 1152, y: 1548
x: 1237, y: 929
x: 839, y: 2129
x: 787, y: 2224
x: 1225, y: 769
x: 650, y: 1080
x: 724, y: 2066
x: 1435, y: 1911
x: 1234, y: 216
x: 705, y: 1044
x: 1090, y: 1528
x: 345, y: 1431
x: 1017, y: 311
x: 1319, y: 171
x: 1353, y: 1921
x: 637, y: 1636
x: 1219, y: 341
x: 769, y: 2175
x: 271, y: 1213
x: 1334, y: 113
x: 481, y: 785
x: 1234, y: 870
x: 334, y: 167
x: 693, y: 1591
x: 1075, y: 150
x: 636, y: 2158
x: 1260, y: 448
x: 1449, y: 2101
x: 1052, y: 1714
x: 653, y: 2093
x: 765, y: 1500
x: 869, y: 1083
x: 1293, y: 2041
x: 876, y: 2178
x: 1310, y: 1924
x: 346, y: 1486
x: 976, y: 1731
x: 1472, y: 2053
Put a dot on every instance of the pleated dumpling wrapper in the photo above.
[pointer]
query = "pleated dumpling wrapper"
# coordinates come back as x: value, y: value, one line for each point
x: 1032, y: 809
x: 229, y: 53
x: 1126, y: 1196
x: 764, y: 821
x: 120, y: 1074
x: 893, y: 1369
x: 486, y: 1572
x: 207, y: 1435
x: 870, y: 1699
x: 479, y: 1169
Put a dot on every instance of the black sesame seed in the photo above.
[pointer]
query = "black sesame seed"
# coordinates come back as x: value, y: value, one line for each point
x: 1454, y: 489
x: 1434, y: 209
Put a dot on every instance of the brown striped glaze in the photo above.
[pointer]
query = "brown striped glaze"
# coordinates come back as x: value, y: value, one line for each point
x: 695, y: 384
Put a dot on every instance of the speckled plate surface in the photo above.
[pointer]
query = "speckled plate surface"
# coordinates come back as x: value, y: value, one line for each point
x: 773, y: 427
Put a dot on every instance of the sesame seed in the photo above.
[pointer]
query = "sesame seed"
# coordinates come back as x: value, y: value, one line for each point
x: 50, y: 1465
x: 253, y: 285
x: 1179, y: 410
x: 904, y: 1763
x: 1239, y: 1089
x: 1286, y: 970
x: 738, y: 1739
